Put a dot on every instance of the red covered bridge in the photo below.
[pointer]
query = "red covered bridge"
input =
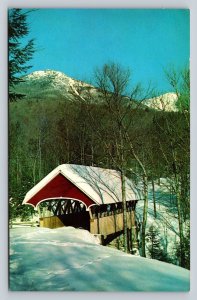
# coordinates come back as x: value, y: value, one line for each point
x: 83, y: 196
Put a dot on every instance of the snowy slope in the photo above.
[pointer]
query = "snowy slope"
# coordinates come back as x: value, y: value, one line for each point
x: 165, y: 102
x: 56, y: 79
x: 166, y: 220
x: 52, y: 82
x: 69, y: 259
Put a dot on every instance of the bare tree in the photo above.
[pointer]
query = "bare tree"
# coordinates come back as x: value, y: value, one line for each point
x: 173, y: 128
x: 117, y: 107
x: 113, y: 81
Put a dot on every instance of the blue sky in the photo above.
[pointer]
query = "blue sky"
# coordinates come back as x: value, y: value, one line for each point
x: 76, y: 41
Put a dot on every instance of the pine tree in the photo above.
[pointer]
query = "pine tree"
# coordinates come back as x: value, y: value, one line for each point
x: 154, y: 244
x: 19, y: 54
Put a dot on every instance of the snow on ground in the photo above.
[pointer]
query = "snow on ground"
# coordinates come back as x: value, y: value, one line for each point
x: 166, y: 221
x: 69, y: 259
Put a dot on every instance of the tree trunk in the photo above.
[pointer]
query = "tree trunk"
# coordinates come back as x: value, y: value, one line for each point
x: 124, y: 211
x: 68, y: 145
x: 145, y: 211
x: 40, y: 157
x: 145, y: 193
x: 34, y: 171
x: 180, y: 221
x: 154, y: 199
x: 134, y: 245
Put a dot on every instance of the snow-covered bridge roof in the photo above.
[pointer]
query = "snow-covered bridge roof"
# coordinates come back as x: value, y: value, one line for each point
x: 90, y: 185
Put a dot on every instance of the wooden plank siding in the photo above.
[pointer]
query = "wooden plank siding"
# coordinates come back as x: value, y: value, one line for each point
x: 107, y: 225
x: 51, y: 222
x: 104, y: 219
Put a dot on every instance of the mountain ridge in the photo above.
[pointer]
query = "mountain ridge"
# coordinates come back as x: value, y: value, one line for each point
x: 51, y: 83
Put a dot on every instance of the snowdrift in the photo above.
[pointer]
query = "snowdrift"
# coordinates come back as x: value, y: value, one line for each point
x: 69, y: 259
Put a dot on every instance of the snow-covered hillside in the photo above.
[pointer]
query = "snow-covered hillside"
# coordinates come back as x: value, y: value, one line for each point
x: 57, y: 79
x: 166, y: 221
x: 165, y: 102
x: 54, y: 82
x: 69, y: 259
x: 51, y: 84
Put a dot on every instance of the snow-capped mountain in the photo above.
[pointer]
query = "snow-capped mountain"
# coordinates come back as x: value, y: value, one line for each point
x: 56, y: 79
x: 165, y: 102
x: 50, y: 84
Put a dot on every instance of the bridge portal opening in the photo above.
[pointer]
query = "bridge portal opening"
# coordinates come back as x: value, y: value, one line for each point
x: 64, y: 212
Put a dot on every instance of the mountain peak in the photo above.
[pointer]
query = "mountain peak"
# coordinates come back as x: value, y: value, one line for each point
x: 165, y: 102
x: 54, y: 83
x: 47, y: 74
x: 49, y: 83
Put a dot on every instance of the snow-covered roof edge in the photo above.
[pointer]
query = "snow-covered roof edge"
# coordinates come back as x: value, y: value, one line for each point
x: 81, y: 181
x: 47, y: 179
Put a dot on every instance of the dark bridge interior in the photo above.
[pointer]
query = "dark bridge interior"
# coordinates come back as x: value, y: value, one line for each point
x: 69, y: 212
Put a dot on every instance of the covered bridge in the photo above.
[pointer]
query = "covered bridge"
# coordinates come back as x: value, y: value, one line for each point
x: 83, y: 196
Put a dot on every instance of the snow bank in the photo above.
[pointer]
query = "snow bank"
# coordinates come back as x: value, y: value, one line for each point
x: 167, y: 220
x: 69, y: 259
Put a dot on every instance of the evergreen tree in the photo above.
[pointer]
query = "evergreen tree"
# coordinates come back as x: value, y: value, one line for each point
x: 154, y: 244
x: 186, y: 249
x: 19, y: 53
